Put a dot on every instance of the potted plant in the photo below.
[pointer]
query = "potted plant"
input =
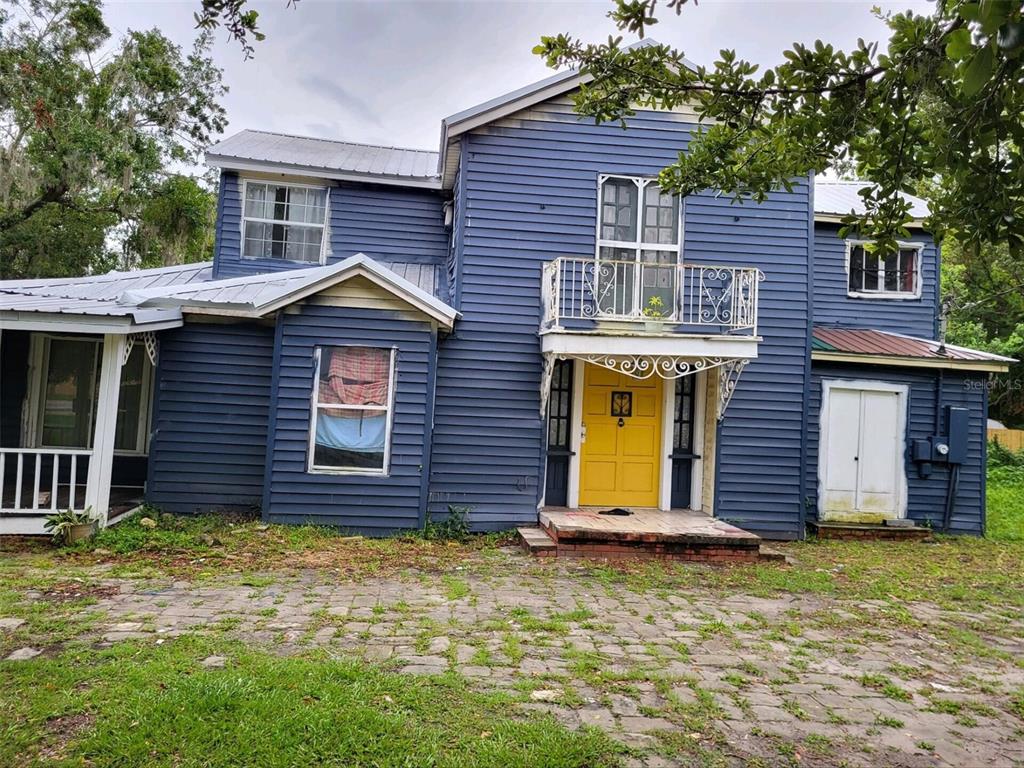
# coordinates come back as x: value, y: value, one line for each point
x: 70, y: 526
x: 653, y: 312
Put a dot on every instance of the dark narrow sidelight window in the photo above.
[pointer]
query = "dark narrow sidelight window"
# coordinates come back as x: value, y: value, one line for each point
x: 556, y: 491
x: 683, y: 454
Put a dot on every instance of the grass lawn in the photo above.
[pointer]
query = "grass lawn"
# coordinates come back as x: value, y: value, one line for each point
x: 140, y: 704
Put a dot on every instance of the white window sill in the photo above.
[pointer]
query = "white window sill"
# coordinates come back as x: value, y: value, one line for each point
x: 346, y: 471
x: 884, y: 295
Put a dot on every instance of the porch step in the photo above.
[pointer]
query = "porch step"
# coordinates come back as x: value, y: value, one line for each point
x: 537, y: 542
x: 869, y: 531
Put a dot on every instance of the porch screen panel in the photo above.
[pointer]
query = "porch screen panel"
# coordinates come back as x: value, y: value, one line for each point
x: 559, y: 434
x: 69, y: 394
x: 352, y: 405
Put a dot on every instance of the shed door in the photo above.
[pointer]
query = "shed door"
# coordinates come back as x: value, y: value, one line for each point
x: 861, y: 464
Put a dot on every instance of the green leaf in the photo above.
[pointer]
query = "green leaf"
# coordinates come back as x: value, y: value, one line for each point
x: 958, y: 44
x: 978, y: 71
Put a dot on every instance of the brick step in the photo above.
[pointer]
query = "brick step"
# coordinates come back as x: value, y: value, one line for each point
x: 869, y: 531
x: 537, y: 542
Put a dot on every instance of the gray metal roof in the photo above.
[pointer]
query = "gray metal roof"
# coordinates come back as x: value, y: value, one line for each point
x: 259, y: 295
x: 320, y: 157
x: 98, y: 295
x: 839, y: 198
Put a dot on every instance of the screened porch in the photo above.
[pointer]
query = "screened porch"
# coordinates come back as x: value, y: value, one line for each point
x: 74, y: 424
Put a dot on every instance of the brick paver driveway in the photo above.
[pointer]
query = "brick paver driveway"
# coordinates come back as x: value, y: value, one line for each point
x: 684, y: 677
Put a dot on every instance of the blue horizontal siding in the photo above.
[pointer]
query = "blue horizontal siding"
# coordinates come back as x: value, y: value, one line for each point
x: 210, y: 417
x: 367, y: 504
x: 925, y: 496
x: 528, y: 195
x: 386, y: 223
x: 832, y: 306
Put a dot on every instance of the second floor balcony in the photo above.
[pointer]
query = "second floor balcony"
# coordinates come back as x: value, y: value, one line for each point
x: 587, y: 294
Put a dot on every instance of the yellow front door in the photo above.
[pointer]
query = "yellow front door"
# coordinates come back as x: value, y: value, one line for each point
x: 619, y: 464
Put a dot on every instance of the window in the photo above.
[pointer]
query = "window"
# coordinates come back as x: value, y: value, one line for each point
x: 66, y: 386
x: 881, y: 275
x: 637, y: 248
x: 283, y: 222
x: 352, y: 404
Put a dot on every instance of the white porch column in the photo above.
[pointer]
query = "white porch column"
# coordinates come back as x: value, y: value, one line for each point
x: 97, y: 491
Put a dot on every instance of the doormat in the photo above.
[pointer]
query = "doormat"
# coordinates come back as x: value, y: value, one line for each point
x: 618, y: 512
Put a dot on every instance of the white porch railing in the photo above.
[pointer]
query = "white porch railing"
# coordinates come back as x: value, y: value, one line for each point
x: 710, y: 299
x: 42, y: 480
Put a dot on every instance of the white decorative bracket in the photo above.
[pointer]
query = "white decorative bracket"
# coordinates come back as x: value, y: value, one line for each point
x: 647, y: 366
x: 728, y: 378
x: 146, y: 337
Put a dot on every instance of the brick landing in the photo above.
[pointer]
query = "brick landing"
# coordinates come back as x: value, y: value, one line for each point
x: 647, y: 534
x: 871, y: 532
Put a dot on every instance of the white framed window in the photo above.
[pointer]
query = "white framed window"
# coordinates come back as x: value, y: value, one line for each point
x: 352, y: 409
x: 63, y: 390
x: 877, y: 275
x: 287, y: 222
x: 639, y: 236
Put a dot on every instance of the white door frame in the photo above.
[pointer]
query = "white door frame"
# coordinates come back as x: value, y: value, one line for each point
x: 667, y: 419
x: 902, y: 393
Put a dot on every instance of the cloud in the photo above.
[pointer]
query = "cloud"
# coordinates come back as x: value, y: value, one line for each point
x: 341, y: 97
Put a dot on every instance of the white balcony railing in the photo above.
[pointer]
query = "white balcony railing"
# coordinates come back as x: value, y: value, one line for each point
x: 42, y: 480
x: 705, y: 298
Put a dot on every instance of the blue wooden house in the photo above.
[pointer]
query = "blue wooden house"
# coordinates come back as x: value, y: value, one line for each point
x: 520, y: 324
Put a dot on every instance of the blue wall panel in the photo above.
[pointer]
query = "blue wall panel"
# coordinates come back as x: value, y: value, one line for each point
x: 926, y: 496
x: 832, y: 306
x: 210, y: 420
x: 387, y: 223
x: 364, y: 503
x: 530, y: 195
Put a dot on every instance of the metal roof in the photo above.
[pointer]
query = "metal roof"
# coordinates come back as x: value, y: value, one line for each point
x: 840, y: 198
x: 259, y: 295
x: 97, y: 295
x: 256, y: 150
x: 870, y: 342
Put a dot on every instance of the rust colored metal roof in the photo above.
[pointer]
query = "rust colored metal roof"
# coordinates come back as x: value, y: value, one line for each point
x: 874, y: 343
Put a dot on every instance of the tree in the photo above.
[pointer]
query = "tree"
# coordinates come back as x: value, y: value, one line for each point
x: 941, y: 104
x: 983, y: 290
x: 86, y: 137
x: 240, y: 21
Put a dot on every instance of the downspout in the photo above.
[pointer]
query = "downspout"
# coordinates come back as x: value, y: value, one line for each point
x: 428, y: 428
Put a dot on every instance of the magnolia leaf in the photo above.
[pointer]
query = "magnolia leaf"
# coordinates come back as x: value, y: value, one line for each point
x: 978, y: 71
x: 958, y: 44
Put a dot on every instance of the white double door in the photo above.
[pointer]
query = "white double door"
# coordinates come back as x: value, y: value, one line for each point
x: 861, y: 472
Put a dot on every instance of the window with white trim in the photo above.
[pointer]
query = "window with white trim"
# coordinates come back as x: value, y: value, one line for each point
x: 66, y: 387
x: 353, y: 399
x: 638, y: 233
x: 878, y: 274
x: 283, y: 221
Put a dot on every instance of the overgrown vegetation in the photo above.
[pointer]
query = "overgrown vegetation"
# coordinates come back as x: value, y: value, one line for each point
x: 1005, y: 494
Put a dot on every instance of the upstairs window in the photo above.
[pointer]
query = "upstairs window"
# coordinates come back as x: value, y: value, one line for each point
x: 896, y: 274
x: 637, y: 248
x: 284, y: 222
x: 353, y: 395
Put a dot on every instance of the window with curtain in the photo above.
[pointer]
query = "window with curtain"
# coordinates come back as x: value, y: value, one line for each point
x: 283, y: 222
x: 68, y: 390
x: 352, y: 401
x: 638, y: 247
x: 894, y: 273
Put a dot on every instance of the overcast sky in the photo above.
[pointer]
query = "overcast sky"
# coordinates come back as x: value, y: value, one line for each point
x: 387, y: 72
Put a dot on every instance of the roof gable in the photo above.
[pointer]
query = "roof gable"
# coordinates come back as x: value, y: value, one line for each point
x: 263, y: 294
